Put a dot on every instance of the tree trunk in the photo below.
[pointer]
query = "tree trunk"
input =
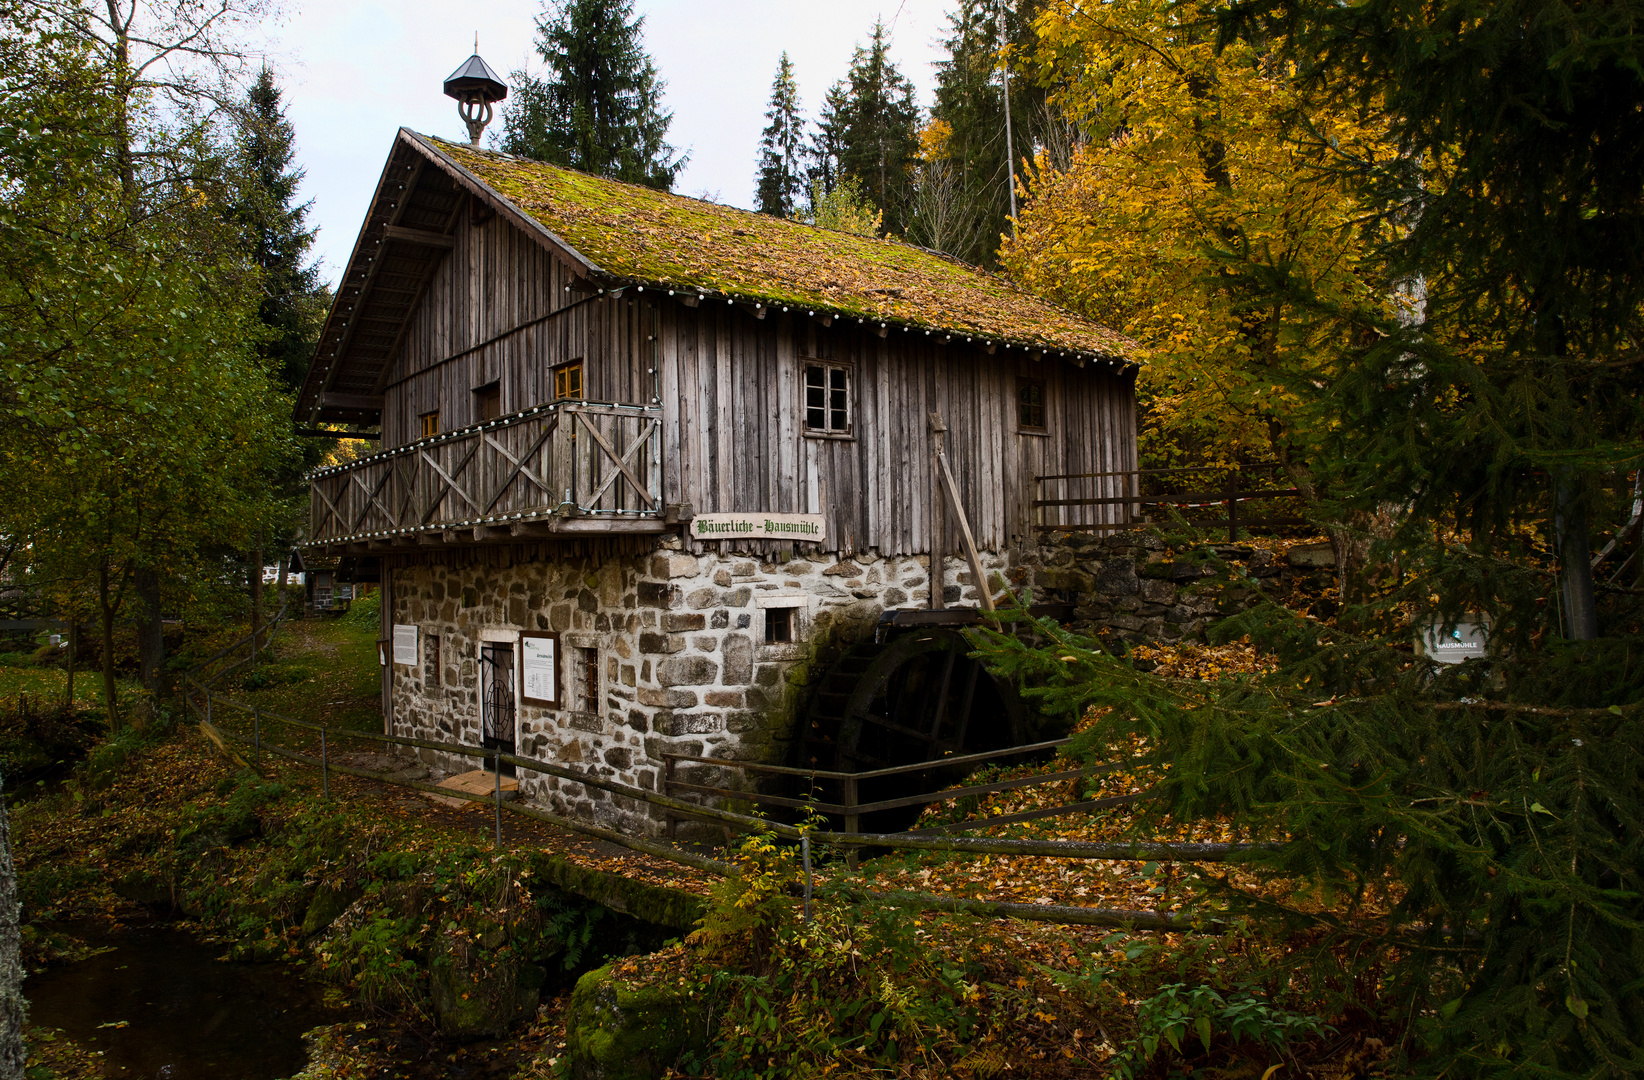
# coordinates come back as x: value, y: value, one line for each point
x: 256, y: 600
x: 1575, y: 562
x: 106, y: 610
x: 13, y: 1007
x: 151, y: 638
x: 74, y: 647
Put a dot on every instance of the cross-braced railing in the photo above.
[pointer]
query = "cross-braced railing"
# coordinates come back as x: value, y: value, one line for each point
x: 566, y: 459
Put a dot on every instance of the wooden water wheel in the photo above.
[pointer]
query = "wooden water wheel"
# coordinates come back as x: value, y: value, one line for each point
x: 915, y: 696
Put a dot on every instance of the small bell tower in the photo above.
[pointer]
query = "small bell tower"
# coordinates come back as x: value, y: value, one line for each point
x: 476, y: 88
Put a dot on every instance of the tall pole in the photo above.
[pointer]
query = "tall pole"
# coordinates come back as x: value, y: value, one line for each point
x: 1010, y: 149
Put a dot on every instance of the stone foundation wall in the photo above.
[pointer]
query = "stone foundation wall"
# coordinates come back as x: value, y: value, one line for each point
x: 683, y: 665
x: 1128, y: 587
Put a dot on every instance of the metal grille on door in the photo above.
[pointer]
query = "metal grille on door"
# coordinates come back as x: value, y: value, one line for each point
x: 497, y: 699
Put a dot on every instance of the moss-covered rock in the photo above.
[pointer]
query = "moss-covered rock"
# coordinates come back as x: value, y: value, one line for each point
x: 478, y: 991
x: 617, y: 1028
x: 330, y: 900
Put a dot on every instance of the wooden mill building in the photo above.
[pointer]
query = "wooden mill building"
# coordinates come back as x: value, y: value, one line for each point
x: 643, y: 456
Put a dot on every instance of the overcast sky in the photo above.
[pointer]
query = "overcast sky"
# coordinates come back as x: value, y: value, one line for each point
x: 354, y: 71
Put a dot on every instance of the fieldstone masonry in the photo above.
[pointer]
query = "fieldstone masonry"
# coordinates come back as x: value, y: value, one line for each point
x: 679, y: 643
x: 680, y: 657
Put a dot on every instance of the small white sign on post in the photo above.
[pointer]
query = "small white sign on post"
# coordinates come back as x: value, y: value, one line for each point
x: 1464, y: 641
x: 405, y: 645
x: 808, y: 528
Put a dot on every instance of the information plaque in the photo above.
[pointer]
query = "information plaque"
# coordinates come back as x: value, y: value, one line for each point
x: 539, y: 657
x: 405, y: 645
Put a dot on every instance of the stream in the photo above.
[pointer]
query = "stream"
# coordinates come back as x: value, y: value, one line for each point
x: 161, y: 1005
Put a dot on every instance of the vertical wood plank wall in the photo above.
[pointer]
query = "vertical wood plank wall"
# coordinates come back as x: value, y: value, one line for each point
x: 730, y: 388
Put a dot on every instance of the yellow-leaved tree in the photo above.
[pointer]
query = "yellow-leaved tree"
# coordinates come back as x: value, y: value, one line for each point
x: 1206, y: 178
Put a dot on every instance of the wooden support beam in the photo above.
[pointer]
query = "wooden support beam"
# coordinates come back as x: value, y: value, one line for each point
x: 983, y: 590
x: 935, y: 514
x: 362, y: 402
x: 689, y: 299
x: 423, y: 237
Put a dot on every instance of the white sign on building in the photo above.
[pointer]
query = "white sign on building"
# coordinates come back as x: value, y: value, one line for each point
x: 405, y: 645
x: 808, y: 528
x: 539, y: 657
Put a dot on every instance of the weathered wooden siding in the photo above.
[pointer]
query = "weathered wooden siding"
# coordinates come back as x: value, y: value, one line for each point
x: 739, y: 378
x: 464, y: 334
x: 730, y: 388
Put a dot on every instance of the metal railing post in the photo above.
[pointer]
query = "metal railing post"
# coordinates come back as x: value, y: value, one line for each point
x: 496, y: 775
x: 325, y: 766
x: 667, y: 779
x: 1233, y: 507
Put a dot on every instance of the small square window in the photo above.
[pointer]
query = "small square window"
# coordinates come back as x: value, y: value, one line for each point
x: 778, y: 625
x: 828, y: 398
x: 430, y: 423
x: 568, y: 381
x: 1030, y: 404
x: 488, y: 401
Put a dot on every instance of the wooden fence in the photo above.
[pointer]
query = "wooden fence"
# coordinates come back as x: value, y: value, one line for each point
x: 565, y: 459
x: 1106, y: 501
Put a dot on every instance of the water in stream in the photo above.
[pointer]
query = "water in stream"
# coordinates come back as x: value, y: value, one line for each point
x: 187, y: 1016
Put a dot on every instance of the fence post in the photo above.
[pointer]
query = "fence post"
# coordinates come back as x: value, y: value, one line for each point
x: 496, y: 775
x: 852, y: 819
x: 325, y: 766
x: 208, y: 704
x: 256, y: 737
x: 1233, y: 507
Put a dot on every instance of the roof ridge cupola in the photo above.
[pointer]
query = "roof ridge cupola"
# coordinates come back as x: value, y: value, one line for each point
x: 476, y: 87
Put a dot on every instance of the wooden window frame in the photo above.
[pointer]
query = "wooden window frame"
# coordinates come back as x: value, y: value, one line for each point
x: 483, y: 392
x: 830, y: 368
x: 428, y: 424
x: 779, y: 620
x: 554, y: 374
x: 1023, y: 382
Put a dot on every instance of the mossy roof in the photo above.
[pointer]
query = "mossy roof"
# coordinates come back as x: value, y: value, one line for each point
x: 649, y: 237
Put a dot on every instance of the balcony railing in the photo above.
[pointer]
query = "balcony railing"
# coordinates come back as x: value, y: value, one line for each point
x: 568, y: 467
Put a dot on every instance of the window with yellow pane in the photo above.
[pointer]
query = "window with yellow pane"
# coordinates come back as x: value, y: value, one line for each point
x: 568, y: 381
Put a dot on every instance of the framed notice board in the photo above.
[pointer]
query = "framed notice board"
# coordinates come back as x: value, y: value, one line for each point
x: 539, y: 664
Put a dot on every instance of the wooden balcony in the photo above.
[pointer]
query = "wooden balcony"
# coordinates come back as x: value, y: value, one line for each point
x: 572, y: 468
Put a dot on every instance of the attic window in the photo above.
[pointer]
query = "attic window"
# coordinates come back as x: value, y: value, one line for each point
x: 827, y: 398
x: 568, y: 381
x: 430, y: 422
x: 488, y: 401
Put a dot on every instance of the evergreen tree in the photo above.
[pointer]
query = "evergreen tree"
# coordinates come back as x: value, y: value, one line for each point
x: 826, y: 143
x: 878, y: 130
x: 600, y: 107
x: 781, y: 181
x: 275, y: 226
x: 1516, y: 207
x: 965, y: 176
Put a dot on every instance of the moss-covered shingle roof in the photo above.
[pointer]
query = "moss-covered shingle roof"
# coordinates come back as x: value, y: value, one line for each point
x: 654, y: 238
